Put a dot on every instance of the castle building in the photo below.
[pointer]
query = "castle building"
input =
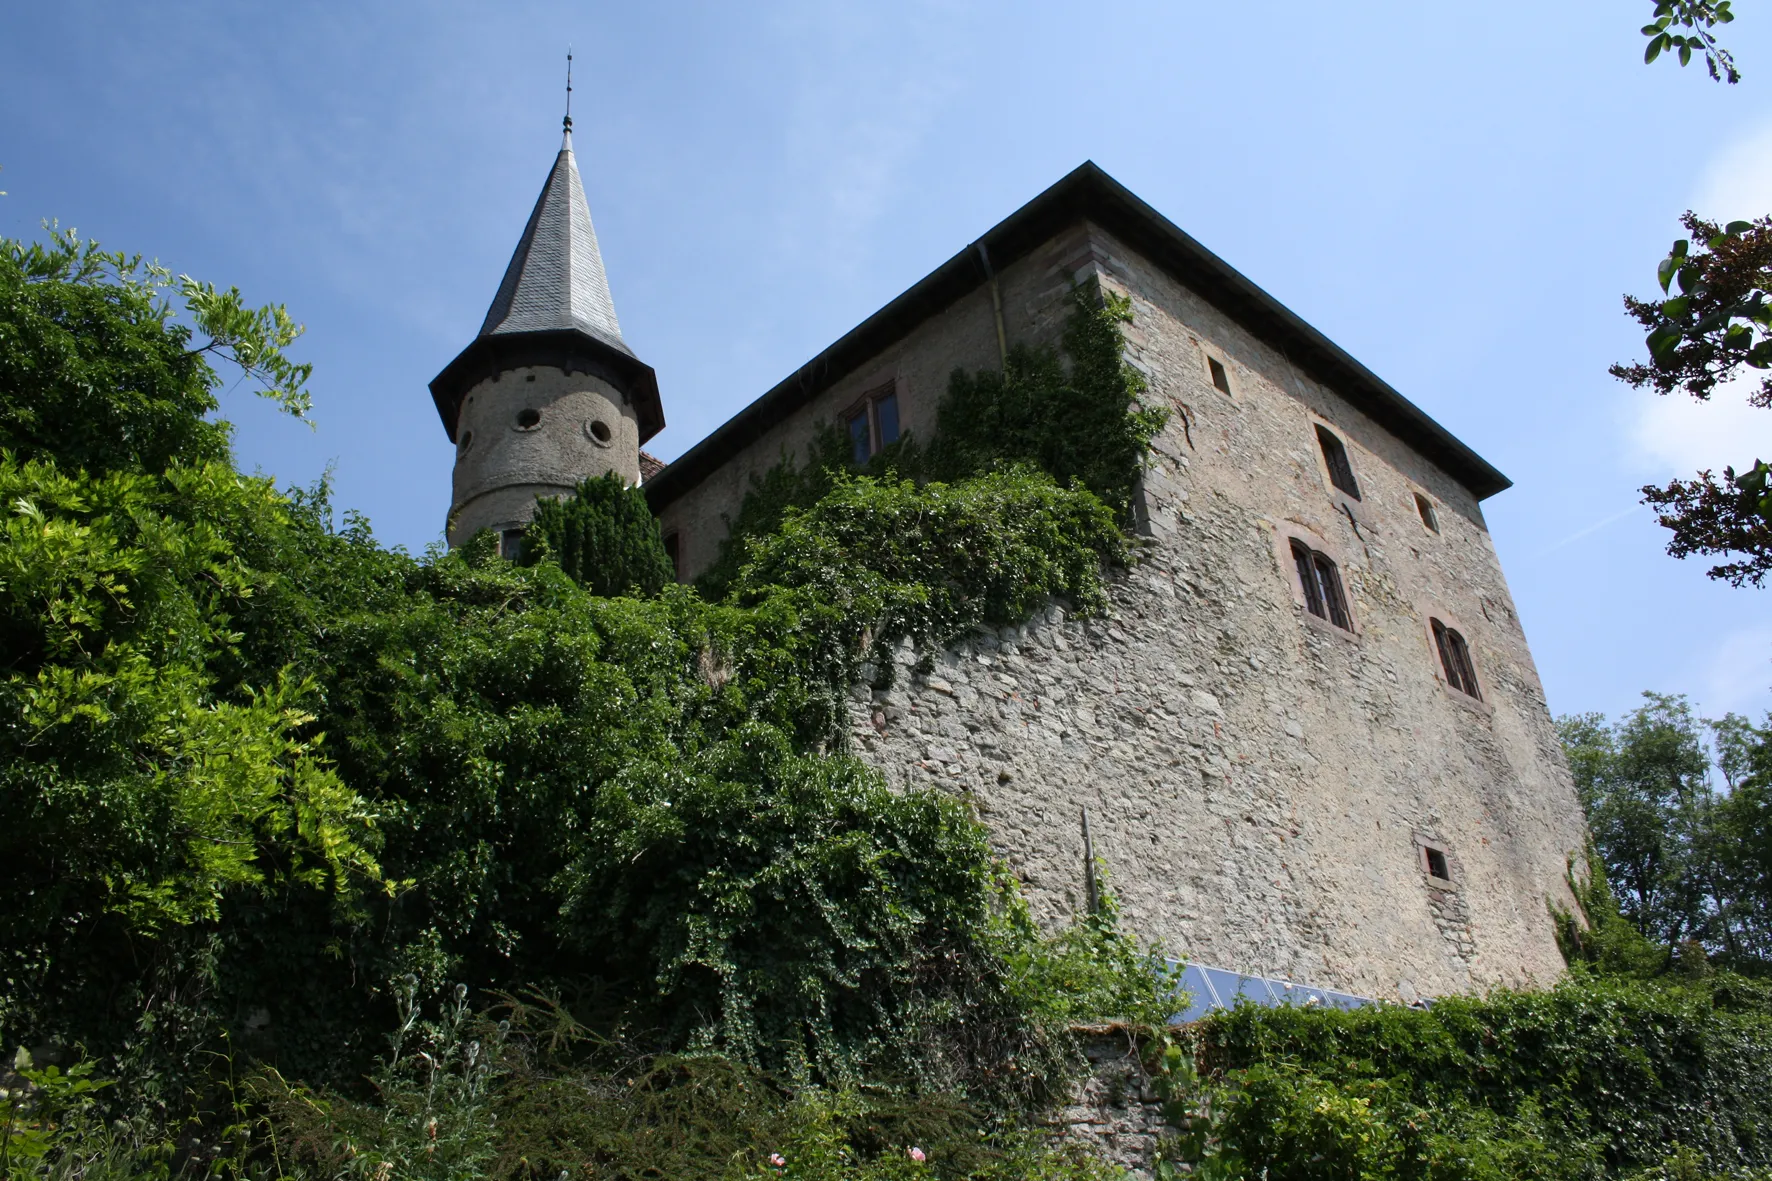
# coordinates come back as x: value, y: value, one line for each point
x: 1308, y: 741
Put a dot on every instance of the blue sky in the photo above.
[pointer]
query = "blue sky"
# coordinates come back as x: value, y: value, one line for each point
x: 1456, y: 197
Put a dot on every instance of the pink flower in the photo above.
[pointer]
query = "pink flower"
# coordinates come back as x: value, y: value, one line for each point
x: 916, y: 1154
x: 778, y: 1160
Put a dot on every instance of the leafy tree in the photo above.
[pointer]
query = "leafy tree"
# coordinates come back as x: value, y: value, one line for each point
x: 1689, y: 862
x: 604, y: 536
x: 145, y: 776
x: 1643, y: 784
x: 1718, y: 324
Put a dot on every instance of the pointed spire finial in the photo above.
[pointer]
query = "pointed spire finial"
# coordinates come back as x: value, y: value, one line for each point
x: 566, y: 123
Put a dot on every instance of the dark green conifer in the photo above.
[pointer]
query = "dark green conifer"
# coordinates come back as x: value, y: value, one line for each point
x: 604, y: 536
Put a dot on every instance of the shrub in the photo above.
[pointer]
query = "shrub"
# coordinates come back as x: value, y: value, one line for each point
x: 604, y: 537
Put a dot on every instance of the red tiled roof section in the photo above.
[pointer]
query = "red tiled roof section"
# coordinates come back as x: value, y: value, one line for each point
x: 650, y: 466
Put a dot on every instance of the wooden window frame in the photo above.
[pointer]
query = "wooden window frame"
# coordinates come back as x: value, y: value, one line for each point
x: 868, y: 405
x: 1336, y: 462
x: 1314, y: 574
x: 1458, y: 669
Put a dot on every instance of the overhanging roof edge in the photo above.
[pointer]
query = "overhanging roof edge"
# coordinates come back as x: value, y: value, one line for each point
x: 1087, y: 193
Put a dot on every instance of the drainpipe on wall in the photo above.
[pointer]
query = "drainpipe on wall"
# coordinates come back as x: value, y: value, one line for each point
x: 996, y: 303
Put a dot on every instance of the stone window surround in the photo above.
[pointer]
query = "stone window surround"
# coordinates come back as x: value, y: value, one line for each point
x: 1343, y: 501
x: 1422, y: 845
x: 1285, y: 532
x: 1430, y: 611
x: 1432, y: 503
x: 1210, y: 353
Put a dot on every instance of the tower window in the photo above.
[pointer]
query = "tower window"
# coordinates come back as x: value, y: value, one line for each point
x: 1221, y: 381
x: 528, y: 419
x: 510, y: 545
x: 1321, y: 583
x: 1341, y: 472
x: 599, y: 431
x: 467, y: 440
x: 1455, y: 658
x: 1425, y: 507
x: 873, y: 424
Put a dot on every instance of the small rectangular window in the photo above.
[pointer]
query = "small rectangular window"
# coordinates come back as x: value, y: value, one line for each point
x: 1425, y: 507
x: 510, y: 545
x: 1341, y: 472
x: 1221, y: 380
x: 872, y: 425
x: 1434, y: 861
x: 886, y: 417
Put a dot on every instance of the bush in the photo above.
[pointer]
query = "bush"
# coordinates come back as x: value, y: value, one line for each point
x: 604, y: 537
x: 1592, y: 1078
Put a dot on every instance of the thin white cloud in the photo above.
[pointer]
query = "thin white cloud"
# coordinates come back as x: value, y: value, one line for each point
x: 1674, y: 435
x: 1737, y: 673
x: 1737, y: 183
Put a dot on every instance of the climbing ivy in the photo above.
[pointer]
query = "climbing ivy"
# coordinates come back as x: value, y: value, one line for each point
x: 1081, y: 424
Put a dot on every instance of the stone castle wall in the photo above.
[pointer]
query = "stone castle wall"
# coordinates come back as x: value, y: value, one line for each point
x: 1260, y: 783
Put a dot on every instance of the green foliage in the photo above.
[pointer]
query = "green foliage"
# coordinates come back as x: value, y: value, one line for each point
x: 1699, y: 17
x: 1090, y: 969
x: 1083, y: 424
x: 1083, y: 427
x: 542, y: 1097
x: 1592, y: 1078
x: 1719, y: 325
x: 604, y: 536
x: 1600, y: 938
x: 927, y: 563
x: 95, y: 373
x: 1687, y: 858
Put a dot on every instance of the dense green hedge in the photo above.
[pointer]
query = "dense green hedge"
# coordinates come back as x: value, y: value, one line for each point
x: 1595, y: 1077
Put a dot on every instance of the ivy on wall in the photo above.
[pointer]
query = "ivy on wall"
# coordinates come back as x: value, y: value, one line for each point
x: 1081, y: 423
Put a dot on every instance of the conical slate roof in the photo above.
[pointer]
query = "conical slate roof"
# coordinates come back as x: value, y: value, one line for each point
x: 553, y: 309
x: 555, y: 279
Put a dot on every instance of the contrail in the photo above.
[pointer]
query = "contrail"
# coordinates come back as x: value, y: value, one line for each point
x: 1593, y: 528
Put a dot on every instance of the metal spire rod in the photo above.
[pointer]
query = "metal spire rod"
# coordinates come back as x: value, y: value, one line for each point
x: 567, y: 122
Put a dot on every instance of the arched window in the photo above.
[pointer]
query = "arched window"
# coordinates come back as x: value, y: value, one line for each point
x: 1341, y: 472
x: 1455, y: 658
x: 1321, y: 582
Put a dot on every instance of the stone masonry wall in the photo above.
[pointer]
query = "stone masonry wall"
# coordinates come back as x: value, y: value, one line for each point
x: 1260, y: 783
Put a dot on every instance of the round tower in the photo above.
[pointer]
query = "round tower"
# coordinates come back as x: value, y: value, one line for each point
x: 548, y: 393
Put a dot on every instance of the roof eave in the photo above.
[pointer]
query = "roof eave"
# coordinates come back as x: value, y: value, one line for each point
x: 571, y: 350
x: 1087, y: 194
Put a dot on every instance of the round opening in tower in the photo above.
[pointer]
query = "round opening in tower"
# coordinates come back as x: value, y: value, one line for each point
x: 467, y: 440
x: 598, y: 430
x: 528, y: 419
